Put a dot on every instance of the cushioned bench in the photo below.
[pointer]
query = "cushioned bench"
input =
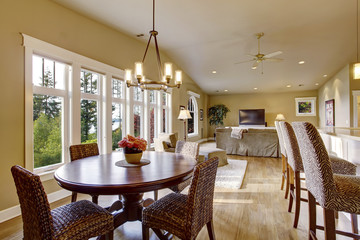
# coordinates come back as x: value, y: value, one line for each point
x: 205, y: 153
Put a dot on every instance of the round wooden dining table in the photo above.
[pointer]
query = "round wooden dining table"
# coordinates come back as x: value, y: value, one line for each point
x: 101, y: 175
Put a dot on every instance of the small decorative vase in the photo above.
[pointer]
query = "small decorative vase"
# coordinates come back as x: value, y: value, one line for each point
x: 132, y: 156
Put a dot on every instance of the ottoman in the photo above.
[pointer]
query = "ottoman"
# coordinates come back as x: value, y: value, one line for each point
x: 206, y: 153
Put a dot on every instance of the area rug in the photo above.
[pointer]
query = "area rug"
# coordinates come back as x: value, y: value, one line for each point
x: 231, y: 175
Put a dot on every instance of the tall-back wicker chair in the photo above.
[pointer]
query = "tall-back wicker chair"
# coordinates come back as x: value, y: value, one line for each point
x: 185, y: 215
x: 190, y: 149
x: 78, y: 220
x: 333, y: 192
x: 186, y: 148
x: 285, y: 172
x: 80, y: 151
x: 295, y: 166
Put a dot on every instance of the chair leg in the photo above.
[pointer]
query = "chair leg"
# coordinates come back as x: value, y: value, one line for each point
x: 291, y: 187
x: 297, y: 198
x: 145, y: 232
x: 95, y: 199
x: 109, y: 235
x: 287, y: 181
x: 156, y: 193
x: 312, y: 215
x: 329, y: 224
x: 283, y: 171
x: 210, y: 228
x: 73, y: 196
x: 354, y: 224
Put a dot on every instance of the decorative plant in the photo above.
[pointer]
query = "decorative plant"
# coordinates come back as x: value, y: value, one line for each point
x: 217, y: 114
x: 133, y: 144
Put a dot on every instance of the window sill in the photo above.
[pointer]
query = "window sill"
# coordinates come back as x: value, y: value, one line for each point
x: 45, y: 176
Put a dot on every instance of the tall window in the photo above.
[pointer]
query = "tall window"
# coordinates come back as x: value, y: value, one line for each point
x: 137, y: 110
x: 193, y: 109
x: 89, y: 85
x: 117, y: 112
x: 165, y: 112
x: 152, y: 115
x: 49, y: 80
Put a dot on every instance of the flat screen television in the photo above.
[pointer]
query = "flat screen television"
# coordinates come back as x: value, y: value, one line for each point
x: 252, y: 117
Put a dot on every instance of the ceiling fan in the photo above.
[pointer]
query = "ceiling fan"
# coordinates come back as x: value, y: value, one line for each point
x: 260, y: 57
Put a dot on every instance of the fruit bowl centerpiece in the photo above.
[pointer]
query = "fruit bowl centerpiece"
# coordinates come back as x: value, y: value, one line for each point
x: 133, y: 148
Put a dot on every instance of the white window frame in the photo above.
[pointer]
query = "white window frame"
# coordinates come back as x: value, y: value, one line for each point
x: 72, y: 135
x: 62, y: 93
x: 122, y: 102
x: 193, y: 97
x: 100, y: 111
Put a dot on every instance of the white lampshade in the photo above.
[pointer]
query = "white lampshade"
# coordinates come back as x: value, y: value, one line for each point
x: 280, y: 117
x: 357, y: 71
x: 184, y: 114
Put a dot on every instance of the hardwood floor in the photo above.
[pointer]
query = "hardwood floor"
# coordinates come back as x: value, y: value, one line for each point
x: 256, y: 211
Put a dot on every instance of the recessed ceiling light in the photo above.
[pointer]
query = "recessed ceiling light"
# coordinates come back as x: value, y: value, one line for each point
x: 255, y: 88
x: 324, y: 75
x: 301, y: 85
x: 253, y: 68
x: 288, y: 85
x: 226, y: 90
x: 214, y: 71
x: 317, y: 84
x: 301, y: 62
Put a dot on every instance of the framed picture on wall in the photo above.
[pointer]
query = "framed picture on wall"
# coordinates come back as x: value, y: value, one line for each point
x: 305, y: 106
x: 330, y: 112
x: 201, y: 115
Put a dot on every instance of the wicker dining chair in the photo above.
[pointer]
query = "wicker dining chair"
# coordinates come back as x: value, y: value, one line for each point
x: 284, y: 172
x: 295, y: 166
x: 81, y: 151
x: 333, y: 192
x: 185, y: 215
x: 186, y: 148
x: 79, y: 220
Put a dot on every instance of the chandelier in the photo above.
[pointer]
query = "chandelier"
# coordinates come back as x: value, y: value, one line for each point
x: 164, y: 77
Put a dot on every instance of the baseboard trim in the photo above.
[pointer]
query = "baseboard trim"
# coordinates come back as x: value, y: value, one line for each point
x: 15, y: 211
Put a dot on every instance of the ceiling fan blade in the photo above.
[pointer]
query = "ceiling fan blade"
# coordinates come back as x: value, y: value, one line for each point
x: 244, y: 61
x: 273, y: 54
x: 254, y: 66
x: 274, y: 59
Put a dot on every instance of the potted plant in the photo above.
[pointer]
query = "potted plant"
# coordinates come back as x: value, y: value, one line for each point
x: 133, y: 148
x: 217, y: 114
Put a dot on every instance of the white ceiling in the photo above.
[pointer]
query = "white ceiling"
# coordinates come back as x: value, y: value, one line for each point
x: 206, y: 35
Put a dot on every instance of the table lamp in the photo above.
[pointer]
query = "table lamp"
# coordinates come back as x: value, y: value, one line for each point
x: 184, y: 115
x: 280, y: 117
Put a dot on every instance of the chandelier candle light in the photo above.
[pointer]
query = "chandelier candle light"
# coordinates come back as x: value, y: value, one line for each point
x: 164, y: 82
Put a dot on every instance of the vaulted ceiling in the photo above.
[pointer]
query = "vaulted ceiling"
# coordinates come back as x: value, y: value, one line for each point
x: 206, y: 35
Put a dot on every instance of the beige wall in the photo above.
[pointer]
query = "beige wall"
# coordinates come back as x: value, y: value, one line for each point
x: 338, y: 88
x: 62, y: 27
x: 273, y: 103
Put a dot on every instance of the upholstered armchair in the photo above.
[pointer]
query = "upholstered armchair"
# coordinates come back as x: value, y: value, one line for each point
x: 166, y: 142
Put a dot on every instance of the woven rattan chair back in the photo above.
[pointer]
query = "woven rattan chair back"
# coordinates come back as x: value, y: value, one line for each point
x: 188, y: 148
x: 35, y: 208
x: 83, y: 150
x: 200, y: 196
x: 317, y: 166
